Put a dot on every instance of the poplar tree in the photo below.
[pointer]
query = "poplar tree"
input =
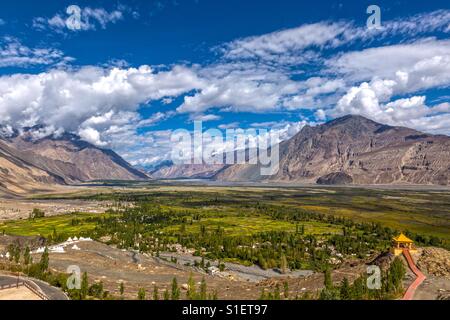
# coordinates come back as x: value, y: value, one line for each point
x: 283, y: 264
x: 286, y: 290
x: 191, y: 293
x: 203, y: 289
x: 121, y: 288
x: 141, y: 294
x: 166, y: 295
x: 328, y: 282
x: 345, y: 290
x: 43, y: 264
x: 175, y: 294
x: 84, y: 286
x: 27, y: 256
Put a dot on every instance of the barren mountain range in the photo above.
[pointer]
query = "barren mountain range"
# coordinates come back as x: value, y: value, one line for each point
x: 347, y: 150
x: 354, y: 149
x: 30, y: 163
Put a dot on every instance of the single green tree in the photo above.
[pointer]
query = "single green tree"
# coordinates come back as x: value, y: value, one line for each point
x: 43, y: 264
x: 203, y: 289
x: 141, y: 294
x: 84, y: 286
x: 262, y: 262
x: 121, y: 288
x: 328, y: 282
x: 175, y: 294
x: 277, y: 293
x: 166, y: 295
x: 17, y: 254
x: 11, y: 252
x: 358, y: 288
x: 286, y: 290
x: 55, y: 235
x: 395, y: 275
x: 283, y: 264
x: 27, y: 256
x: 191, y: 293
x: 345, y: 290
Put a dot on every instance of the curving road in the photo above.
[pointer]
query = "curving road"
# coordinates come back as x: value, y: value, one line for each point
x: 409, y: 294
x: 51, y: 292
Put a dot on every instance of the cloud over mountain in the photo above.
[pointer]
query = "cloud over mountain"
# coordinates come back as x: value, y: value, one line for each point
x: 87, y: 99
x: 316, y: 71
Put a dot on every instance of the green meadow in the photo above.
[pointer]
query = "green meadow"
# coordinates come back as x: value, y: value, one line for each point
x: 246, y: 226
x: 72, y: 224
x: 243, y: 209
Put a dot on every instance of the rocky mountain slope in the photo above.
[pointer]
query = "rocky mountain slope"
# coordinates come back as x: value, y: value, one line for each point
x: 18, y: 174
x: 186, y: 171
x: 356, y: 150
x: 168, y: 170
x: 27, y: 163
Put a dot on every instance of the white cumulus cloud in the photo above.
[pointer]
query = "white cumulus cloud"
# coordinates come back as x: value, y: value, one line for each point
x: 89, y: 98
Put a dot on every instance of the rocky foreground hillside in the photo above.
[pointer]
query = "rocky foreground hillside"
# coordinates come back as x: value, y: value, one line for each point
x: 356, y: 150
x: 27, y: 163
x: 435, y: 261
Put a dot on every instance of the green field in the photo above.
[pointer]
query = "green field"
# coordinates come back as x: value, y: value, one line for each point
x: 45, y: 226
x: 425, y: 212
x: 273, y: 227
x: 245, y: 226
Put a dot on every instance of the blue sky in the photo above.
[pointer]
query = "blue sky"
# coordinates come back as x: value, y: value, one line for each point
x: 138, y: 69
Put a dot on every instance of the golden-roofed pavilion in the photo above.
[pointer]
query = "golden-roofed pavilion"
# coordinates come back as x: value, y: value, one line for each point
x: 402, y: 242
